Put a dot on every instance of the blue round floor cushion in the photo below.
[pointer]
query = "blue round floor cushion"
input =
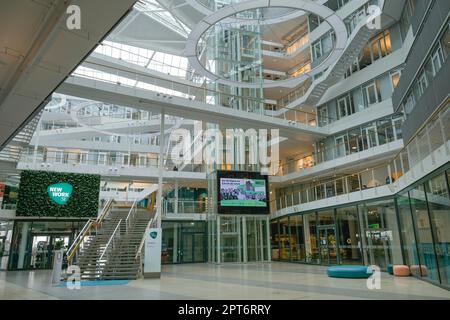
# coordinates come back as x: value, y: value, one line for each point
x: 390, y: 269
x: 354, y: 272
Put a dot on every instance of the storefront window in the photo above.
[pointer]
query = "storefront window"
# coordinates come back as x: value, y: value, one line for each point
x: 423, y: 232
x: 439, y: 206
x: 381, y: 237
x: 274, y: 239
x: 350, y: 247
x: 310, y: 227
x: 327, y: 238
x: 407, y: 233
x: 284, y: 239
x: 6, y: 228
x: 34, y: 242
x: 297, y: 238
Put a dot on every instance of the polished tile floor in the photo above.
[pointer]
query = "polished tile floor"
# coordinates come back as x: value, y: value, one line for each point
x: 232, y: 281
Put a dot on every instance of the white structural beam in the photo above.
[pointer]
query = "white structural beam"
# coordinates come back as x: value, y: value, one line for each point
x: 185, y: 108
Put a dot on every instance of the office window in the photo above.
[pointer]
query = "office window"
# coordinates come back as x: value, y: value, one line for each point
x: 373, y: 95
x: 437, y: 59
x: 445, y: 41
x: 82, y: 158
x: 317, y: 50
x: 101, y: 158
x: 423, y: 82
x: 395, y: 78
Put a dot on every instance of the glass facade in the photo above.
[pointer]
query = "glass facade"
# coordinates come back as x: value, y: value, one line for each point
x: 6, y: 228
x: 33, y: 242
x: 183, y: 242
x: 235, y: 238
x: 411, y: 228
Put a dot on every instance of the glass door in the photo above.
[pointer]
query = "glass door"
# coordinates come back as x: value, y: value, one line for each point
x: 342, y: 107
x: 378, y: 244
x: 186, y: 254
x: 327, y: 245
x: 341, y: 148
x: 371, y: 136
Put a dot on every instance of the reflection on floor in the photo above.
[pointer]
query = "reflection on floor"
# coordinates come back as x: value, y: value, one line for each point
x: 233, y: 281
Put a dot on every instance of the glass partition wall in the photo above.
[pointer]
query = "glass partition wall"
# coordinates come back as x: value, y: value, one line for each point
x: 241, y: 239
x: 412, y: 228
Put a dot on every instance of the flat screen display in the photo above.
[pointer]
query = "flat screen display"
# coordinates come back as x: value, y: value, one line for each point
x: 242, y: 192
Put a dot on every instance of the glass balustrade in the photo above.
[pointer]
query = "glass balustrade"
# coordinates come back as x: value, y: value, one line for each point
x: 432, y: 139
x: 114, y: 160
x: 184, y: 206
x: 139, y: 81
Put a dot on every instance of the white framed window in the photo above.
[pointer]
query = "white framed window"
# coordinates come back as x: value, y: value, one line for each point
x: 128, y: 113
x: 395, y: 78
x: 422, y: 82
x: 59, y: 156
x: 437, y: 59
x: 125, y: 159
x: 372, y: 94
x: 371, y: 136
x: 317, y: 50
x: 323, y: 115
x: 409, y: 103
x: 341, y: 146
x: 342, y: 107
x: 82, y: 158
x: 142, y: 160
x: 101, y: 160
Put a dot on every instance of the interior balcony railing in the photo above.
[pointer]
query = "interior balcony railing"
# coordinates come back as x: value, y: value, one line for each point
x: 300, y: 69
x: 297, y: 44
x: 172, y: 206
x: 114, y: 160
x: 99, y: 109
x: 358, y: 143
x: 218, y: 98
x: 433, y: 138
x: 95, y: 122
x: 294, y: 95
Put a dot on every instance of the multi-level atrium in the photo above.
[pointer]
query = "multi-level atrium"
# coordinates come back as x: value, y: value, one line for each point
x: 264, y: 141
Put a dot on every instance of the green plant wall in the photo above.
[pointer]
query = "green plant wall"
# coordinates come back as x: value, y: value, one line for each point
x: 34, y: 200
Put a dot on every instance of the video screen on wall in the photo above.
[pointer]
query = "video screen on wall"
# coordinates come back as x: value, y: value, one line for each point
x: 242, y: 192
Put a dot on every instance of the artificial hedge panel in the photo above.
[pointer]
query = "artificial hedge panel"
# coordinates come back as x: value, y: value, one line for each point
x: 33, y: 199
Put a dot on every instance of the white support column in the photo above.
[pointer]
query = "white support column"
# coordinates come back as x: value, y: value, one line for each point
x: 269, y: 249
x: 176, y: 196
x: 218, y: 239
x: 244, y: 239
x: 175, y: 242
x: 161, y: 169
x: 36, y: 146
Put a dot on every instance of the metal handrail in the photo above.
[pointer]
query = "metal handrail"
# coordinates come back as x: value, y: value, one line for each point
x: 141, y: 245
x: 111, y: 239
x: 131, y: 215
x: 72, y: 251
x: 90, y: 73
x: 80, y: 235
x: 104, y: 212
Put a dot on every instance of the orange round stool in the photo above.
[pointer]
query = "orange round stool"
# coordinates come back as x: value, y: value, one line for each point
x: 401, y: 271
x: 417, y: 270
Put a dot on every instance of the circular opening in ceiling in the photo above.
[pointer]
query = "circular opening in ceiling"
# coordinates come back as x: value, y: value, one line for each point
x: 254, y: 54
x: 271, y: 15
